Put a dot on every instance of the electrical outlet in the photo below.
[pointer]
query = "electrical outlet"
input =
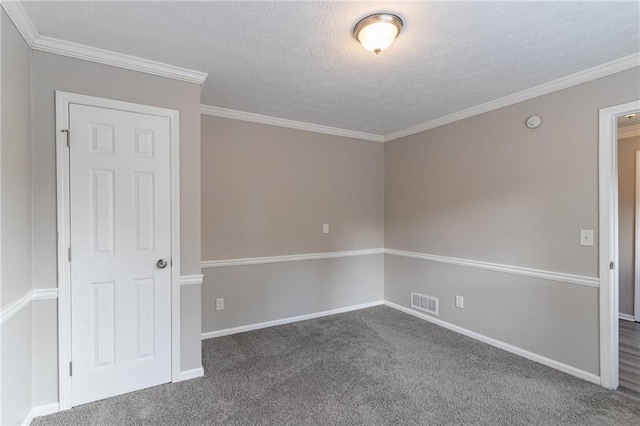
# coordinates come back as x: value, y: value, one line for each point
x: 219, y: 304
x: 460, y: 302
x: 325, y: 228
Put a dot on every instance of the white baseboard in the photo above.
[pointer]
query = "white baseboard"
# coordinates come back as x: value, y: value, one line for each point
x: 260, y: 325
x: 585, y: 375
x: 191, y: 374
x: 626, y: 317
x: 41, y: 410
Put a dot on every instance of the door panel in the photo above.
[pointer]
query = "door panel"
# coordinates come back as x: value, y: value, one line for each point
x: 120, y: 227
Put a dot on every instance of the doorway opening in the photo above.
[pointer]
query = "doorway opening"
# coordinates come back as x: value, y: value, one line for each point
x: 628, y: 139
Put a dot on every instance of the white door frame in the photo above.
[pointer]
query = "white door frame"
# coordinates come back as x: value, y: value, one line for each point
x: 608, y: 228
x: 636, y: 276
x: 63, y: 100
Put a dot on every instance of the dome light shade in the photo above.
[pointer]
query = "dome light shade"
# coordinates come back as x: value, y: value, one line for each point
x: 377, y: 32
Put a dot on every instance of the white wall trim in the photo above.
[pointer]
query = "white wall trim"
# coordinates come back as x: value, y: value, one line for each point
x: 190, y: 374
x: 45, y: 410
x: 92, y: 54
x: 629, y: 131
x: 41, y: 410
x: 289, y: 320
x: 517, y: 270
x: 287, y: 258
x: 191, y: 280
x: 290, y: 124
x: 120, y: 60
x: 44, y: 293
x: 17, y: 305
x: 626, y: 317
x: 19, y: 17
x: 14, y: 307
x: 590, y: 74
x: 502, y: 345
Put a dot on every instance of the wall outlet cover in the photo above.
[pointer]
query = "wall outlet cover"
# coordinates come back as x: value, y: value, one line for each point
x: 219, y: 304
x: 460, y: 302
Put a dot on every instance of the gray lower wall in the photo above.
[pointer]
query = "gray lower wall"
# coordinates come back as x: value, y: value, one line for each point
x: 15, y: 225
x: 551, y: 319
x: 626, y: 220
x: 259, y: 293
x: 16, y: 368
x: 489, y: 189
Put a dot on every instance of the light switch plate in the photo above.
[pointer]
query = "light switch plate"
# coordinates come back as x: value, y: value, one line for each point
x: 460, y: 302
x: 325, y: 228
x: 586, y: 237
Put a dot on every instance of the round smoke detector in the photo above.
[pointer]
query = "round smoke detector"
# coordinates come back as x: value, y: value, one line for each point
x: 534, y: 122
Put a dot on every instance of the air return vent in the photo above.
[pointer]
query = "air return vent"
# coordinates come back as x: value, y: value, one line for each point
x: 424, y: 303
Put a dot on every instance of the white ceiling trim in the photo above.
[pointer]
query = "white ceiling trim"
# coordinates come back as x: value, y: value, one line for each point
x: 80, y: 51
x: 20, y: 19
x: 629, y: 131
x: 291, y: 124
x: 590, y: 74
x: 107, y: 57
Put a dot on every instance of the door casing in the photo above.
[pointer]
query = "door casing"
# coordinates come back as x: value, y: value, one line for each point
x: 608, y: 236
x: 63, y: 99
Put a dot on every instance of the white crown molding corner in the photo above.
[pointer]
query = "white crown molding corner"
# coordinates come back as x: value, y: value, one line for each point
x: 626, y: 317
x: 629, y: 131
x: 21, y: 20
x: 585, y: 375
x: 44, y: 293
x: 190, y: 374
x: 287, y: 258
x: 191, y: 279
x: 14, y: 307
x: 289, y: 320
x: 587, y: 75
x: 290, y: 124
x: 516, y: 270
x: 120, y: 60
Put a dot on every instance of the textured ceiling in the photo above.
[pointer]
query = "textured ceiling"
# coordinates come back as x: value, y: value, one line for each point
x: 299, y: 61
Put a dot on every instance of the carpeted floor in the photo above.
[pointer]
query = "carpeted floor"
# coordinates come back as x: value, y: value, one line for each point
x: 369, y: 367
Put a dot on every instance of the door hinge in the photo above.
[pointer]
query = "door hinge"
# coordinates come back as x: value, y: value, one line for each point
x: 68, y: 133
x: 69, y: 254
x: 71, y: 368
x: 611, y: 265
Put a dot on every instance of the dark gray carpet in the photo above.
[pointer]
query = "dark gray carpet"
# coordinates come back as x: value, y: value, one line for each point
x: 370, y: 367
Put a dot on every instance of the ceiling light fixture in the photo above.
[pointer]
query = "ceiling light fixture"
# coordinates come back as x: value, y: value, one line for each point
x: 376, y: 32
x: 630, y: 116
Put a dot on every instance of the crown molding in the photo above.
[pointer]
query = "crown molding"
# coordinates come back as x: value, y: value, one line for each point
x: 590, y: 74
x: 107, y: 57
x: 36, y: 41
x: 20, y: 19
x: 290, y: 124
x: 629, y: 131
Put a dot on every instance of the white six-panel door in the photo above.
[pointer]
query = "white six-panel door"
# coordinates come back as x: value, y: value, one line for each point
x: 120, y: 215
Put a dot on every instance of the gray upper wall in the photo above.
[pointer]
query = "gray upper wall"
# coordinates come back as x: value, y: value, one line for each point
x: 16, y: 164
x: 15, y: 229
x: 626, y: 224
x: 266, y: 191
x: 488, y: 188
